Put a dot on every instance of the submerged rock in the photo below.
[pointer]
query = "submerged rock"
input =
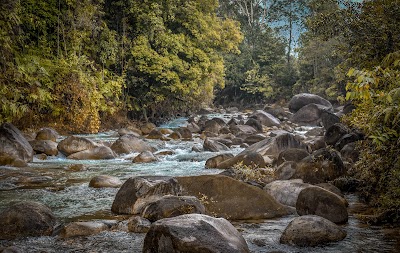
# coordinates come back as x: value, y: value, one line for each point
x: 26, y: 218
x: 194, y: 233
x: 83, y: 228
x: 105, y: 181
x: 311, y: 230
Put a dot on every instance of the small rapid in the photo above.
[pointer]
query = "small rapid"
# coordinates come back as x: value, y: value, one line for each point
x: 62, y: 184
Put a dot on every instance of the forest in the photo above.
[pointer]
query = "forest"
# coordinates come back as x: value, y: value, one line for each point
x: 74, y: 65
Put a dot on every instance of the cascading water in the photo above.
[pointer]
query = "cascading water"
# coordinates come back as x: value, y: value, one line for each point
x: 65, y: 190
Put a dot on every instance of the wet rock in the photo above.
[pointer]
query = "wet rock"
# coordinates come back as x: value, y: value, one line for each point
x: 164, y: 152
x: 195, y: 233
x: 74, y: 144
x: 47, y: 147
x: 265, y: 118
x: 137, y: 224
x: 204, y: 111
x: 316, y: 131
x: 76, y: 167
x: 193, y: 127
x: 309, y: 115
x: 155, y: 134
x: 311, y: 230
x: 335, y: 132
x: 318, y: 201
x: 147, y: 128
x: 132, y: 131
x: 175, y: 136
x: 291, y: 154
x: 105, y: 181
x: 185, y: 133
x: 211, y: 126
x: 129, y: 143
x: 214, y: 146
x: 97, y: 153
x: 137, y: 192
x: 248, y: 159
x: 47, y: 133
x: 213, y: 162
x: 15, y: 150
x: 229, y: 198
x: 145, y: 157
x: 323, y: 165
x: 26, y: 219
x: 300, y: 100
x: 83, y: 228
x: 255, y: 124
x: 171, y: 206
x: 286, y: 192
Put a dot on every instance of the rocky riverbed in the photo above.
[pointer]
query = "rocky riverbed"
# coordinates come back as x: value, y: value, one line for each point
x: 279, y: 175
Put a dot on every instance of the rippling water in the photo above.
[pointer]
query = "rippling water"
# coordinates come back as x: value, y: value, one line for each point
x: 66, y: 191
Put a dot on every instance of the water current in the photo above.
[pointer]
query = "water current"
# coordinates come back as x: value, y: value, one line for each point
x: 62, y: 186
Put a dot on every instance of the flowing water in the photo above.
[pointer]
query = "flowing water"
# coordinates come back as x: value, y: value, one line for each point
x: 62, y: 186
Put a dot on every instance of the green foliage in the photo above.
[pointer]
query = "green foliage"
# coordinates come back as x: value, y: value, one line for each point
x: 376, y: 93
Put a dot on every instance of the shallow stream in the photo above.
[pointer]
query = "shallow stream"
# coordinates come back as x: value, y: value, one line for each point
x: 62, y: 186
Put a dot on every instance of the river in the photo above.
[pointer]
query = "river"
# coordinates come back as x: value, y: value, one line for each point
x: 58, y: 184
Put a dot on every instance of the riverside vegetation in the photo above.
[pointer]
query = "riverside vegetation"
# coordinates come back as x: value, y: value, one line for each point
x: 79, y: 66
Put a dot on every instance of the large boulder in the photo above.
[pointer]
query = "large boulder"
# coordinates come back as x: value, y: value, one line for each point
x: 213, y: 162
x: 285, y: 171
x: 145, y: 157
x: 171, y: 206
x: 347, y: 139
x: 254, y: 138
x: 195, y: 233
x: 147, y: 128
x: 26, y: 219
x: 47, y: 147
x: 265, y: 118
x: 309, y: 115
x: 97, y: 153
x: 300, y: 100
x: 137, y: 192
x: 47, y: 133
x: 286, y: 192
x: 229, y: 198
x: 105, y: 181
x: 214, y: 146
x: 129, y: 144
x: 75, y: 144
x: 321, y: 166
x: 83, y: 228
x: 138, y: 224
x: 155, y: 134
x: 185, y: 132
x: 318, y: 201
x: 328, y: 119
x: 14, y: 149
x: 272, y: 147
x: 311, y: 230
